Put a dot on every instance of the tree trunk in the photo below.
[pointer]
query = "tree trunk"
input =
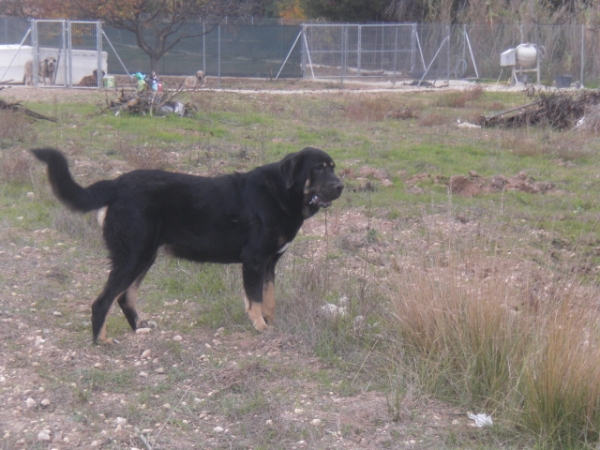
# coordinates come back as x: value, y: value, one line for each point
x: 154, y: 60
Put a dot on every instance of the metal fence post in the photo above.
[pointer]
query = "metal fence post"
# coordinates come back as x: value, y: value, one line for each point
x: 344, y: 49
x: 395, y: 55
x: 219, y: 54
x: 582, y: 53
x: 100, y: 77
x: 448, y: 55
x: 204, y: 46
x: 359, y: 49
x: 35, y: 52
x: 303, y: 52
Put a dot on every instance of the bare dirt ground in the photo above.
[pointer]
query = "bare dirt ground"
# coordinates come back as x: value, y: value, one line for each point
x: 283, y: 87
x: 169, y: 389
x: 206, y: 388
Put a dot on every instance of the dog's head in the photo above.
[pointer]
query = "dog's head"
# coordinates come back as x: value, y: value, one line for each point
x: 311, y: 172
x: 95, y: 73
x: 200, y: 75
x: 50, y: 63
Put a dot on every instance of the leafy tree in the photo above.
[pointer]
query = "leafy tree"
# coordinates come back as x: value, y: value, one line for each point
x: 347, y: 10
x: 158, y: 25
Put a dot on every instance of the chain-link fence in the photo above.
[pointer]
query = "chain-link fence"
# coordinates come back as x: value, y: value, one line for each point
x: 267, y: 48
x: 233, y: 48
x: 434, y: 51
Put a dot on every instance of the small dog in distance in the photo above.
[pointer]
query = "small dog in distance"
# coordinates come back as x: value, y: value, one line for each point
x: 194, y: 81
x: 45, y: 71
x: 91, y: 80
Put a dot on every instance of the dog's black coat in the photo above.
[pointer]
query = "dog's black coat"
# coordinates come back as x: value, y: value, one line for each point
x: 246, y: 218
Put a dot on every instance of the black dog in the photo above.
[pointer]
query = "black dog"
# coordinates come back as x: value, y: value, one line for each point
x: 248, y: 218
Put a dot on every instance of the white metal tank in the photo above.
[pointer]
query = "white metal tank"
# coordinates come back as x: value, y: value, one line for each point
x: 527, y: 55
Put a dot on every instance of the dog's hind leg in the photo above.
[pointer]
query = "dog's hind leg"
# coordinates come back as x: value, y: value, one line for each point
x: 253, y: 287
x: 121, y: 282
x: 128, y: 300
x: 268, y: 307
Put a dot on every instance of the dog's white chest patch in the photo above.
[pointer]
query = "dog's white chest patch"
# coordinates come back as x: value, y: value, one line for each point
x: 101, y: 215
x: 284, y: 248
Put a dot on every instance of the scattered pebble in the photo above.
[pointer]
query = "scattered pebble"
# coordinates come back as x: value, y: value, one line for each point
x: 30, y: 403
x: 145, y: 354
x: 143, y: 331
x: 218, y: 429
x: 45, y: 402
x: 143, y: 375
x: 43, y: 435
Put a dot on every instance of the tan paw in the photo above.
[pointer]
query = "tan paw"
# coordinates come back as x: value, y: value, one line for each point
x: 256, y: 317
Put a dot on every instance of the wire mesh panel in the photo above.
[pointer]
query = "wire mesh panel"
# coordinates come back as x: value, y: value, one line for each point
x: 87, y: 61
x: 237, y: 48
x: 260, y: 48
x: 352, y: 50
x: 49, y: 63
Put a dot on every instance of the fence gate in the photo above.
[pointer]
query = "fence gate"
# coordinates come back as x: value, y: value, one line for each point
x: 49, y: 45
x: 67, y: 53
x: 384, y: 50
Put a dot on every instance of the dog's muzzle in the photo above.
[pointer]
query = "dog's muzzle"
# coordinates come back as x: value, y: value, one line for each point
x: 324, y: 200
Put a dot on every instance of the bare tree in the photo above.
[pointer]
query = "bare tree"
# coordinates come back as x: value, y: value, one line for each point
x: 158, y: 25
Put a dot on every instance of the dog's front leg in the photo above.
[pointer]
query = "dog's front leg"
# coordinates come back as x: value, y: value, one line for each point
x: 268, y: 308
x: 253, y: 287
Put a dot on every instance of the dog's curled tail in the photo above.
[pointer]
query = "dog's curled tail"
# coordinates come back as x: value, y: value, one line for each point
x: 71, y: 194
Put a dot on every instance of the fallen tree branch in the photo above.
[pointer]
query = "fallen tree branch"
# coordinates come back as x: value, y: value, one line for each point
x: 17, y: 107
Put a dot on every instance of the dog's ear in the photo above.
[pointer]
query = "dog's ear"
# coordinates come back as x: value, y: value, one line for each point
x: 288, y: 168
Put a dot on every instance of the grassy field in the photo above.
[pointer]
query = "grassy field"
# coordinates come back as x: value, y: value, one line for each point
x: 401, y: 309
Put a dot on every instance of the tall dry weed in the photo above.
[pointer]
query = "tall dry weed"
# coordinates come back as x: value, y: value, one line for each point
x: 15, y: 167
x: 15, y: 127
x: 561, y: 382
x: 481, y: 341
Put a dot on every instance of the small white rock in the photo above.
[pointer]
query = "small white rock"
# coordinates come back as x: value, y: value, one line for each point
x: 269, y: 422
x: 145, y: 354
x: 177, y: 338
x: 143, y: 331
x: 30, y: 403
x: 143, y: 375
x: 43, y: 436
x: 45, y: 402
x: 316, y: 421
x: 218, y: 429
x: 159, y: 370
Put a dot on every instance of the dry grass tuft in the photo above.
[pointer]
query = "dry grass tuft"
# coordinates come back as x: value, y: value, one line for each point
x: 480, y: 340
x: 433, y: 119
x: 15, y: 167
x: 15, y: 127
x: 377, y: 108
x: 145, y: 158
x: 461, y: 98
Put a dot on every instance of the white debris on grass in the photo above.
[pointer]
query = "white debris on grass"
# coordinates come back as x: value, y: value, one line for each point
x: 481, y: 420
